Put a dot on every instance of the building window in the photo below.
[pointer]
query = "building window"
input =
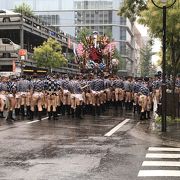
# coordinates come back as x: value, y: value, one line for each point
x: 122, y: 33
x: 123, y: 48
x: 101, y: 15
x: 122, y: 20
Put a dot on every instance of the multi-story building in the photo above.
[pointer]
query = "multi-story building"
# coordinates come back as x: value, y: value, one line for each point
x: 58, y: 13
x: 97, y: 15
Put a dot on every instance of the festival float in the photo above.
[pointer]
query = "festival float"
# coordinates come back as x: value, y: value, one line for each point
x: 95, y: 54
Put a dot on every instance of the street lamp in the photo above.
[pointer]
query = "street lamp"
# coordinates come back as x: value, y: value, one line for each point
x: 164, y: 8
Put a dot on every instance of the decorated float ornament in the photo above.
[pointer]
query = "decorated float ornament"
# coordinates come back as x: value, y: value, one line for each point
x: 109, y: 48
x: 95, y: 49
x: 90, y: 64
x: 95, y: 37
x: 80, y: 50
x: 102, y: 66
x: 95, y: 55
x: 96, y: 65
x: 105, y: 40
x: 115, y: 62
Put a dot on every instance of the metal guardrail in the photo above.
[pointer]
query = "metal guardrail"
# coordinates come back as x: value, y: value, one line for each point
x: 36, y: 26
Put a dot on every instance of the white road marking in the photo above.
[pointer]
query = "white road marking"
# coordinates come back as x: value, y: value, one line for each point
x: 149, y: 173
x: 156, y: 155
x: 112, y: 131
x: 161, y: 163
x: 32, y: 122
x: 163, y: 149
x: 37, y: 120
x: 44, y: 118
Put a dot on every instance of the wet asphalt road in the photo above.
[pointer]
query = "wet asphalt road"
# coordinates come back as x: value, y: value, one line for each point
x: 72, y: 149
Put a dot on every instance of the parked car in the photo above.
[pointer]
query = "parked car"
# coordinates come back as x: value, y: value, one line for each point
x: 8, y: 48
x: 9, y: 16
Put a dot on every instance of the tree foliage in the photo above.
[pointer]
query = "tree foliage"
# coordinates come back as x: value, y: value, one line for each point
x: 151, y: 16
x: 146, y: 55
x: 49, y: 55
x: 132, y: 8
x: 117, y: 55
x: 24, y: 9
x: 70, y: 57
x: 172, y: 30
x: 81, y: 37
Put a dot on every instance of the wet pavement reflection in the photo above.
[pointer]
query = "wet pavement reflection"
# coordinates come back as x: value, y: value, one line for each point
x: 70, y: 149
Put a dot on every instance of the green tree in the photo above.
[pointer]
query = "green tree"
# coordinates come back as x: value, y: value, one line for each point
x: 117, y: 55
x: 81, y: 37
x: 49, y: 55
x: 146, y: 55
x: 173, y: 36
x: 108, y: 33
x: 145, y: 10
x: 70, y: 57
x: 132, y: 8
x: 153, y: 70
x: 172, y: 29
x: 24, y: 9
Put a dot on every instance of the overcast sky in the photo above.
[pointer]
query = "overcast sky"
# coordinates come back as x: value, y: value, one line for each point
x: 157, y: 43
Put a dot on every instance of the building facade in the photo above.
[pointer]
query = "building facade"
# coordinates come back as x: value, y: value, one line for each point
x: 97, y: 15
x: 58, y: 13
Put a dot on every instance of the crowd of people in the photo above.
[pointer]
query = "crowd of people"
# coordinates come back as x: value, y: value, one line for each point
x: 79, y: 95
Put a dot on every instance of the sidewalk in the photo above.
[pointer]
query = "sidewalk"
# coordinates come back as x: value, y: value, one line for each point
x: 172, y: 133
